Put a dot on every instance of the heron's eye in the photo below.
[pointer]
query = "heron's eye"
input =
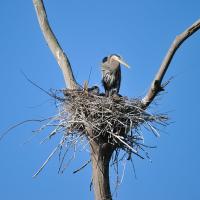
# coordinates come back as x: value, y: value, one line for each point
x: 105, y: 59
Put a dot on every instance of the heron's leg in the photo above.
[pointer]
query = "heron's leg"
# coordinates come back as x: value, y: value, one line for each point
x: 107, y: 93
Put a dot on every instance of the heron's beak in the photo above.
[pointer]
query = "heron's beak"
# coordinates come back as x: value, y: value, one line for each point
x: 122, y: 62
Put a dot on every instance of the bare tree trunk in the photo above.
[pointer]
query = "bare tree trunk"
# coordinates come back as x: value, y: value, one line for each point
x: 100, y: 156
x: 101, y: 152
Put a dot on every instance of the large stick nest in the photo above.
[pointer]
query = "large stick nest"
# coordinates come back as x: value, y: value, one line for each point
x: 116, y: 120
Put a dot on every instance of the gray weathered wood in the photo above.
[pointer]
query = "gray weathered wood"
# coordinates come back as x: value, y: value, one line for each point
x: 156, y: 87
x: 100, y: 156
x: 54, y: 46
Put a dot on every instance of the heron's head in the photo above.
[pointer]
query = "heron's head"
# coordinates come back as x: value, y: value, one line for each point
x: 114, y: 60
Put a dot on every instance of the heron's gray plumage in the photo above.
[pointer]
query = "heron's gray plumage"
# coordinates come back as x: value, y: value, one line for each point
x: 111, y: 75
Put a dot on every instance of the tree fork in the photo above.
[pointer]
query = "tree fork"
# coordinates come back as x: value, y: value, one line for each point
x: 101, y: 152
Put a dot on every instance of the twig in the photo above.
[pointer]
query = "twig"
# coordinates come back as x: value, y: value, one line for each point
x: 19, y: 124
x: 119, y: 138
x: 79, y: 169
x: 46, y: 161
x: 48, y: 93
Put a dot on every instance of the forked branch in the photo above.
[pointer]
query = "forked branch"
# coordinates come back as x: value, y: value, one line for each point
x: 53, y: 44
x: 156, y: 86
x: 89, y: 114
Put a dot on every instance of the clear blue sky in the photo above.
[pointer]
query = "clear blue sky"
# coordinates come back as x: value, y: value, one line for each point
x: 140, y: 31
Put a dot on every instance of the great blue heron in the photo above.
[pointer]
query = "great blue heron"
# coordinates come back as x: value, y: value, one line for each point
x: 111, y: 74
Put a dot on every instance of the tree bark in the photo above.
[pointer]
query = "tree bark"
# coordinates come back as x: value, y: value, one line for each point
x: 54, y: 46
x: 100, y: 156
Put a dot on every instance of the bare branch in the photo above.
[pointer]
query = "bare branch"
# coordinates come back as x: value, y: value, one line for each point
x: 21, y: 123
x: 79, y: 169
x: 46, y: 161
x: 53, y: 44
x: 156, y: 86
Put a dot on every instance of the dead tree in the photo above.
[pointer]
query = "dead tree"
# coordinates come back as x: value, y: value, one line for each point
x: 102, y: 149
